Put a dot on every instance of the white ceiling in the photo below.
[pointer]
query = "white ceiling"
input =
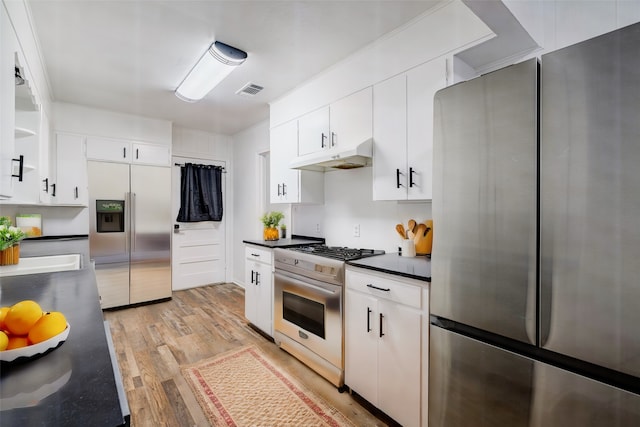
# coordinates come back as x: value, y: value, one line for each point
x: 129, y: 55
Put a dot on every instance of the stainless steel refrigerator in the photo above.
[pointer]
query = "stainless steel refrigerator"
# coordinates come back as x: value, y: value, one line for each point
x: 535, y: 289
x: 130, y: 232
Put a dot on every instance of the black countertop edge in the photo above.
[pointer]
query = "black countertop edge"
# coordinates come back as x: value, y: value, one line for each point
x: 298, y: 236
x: 81, y: 388
x: 418, y: 268
x: 285, y: 243
x: 65, y: 237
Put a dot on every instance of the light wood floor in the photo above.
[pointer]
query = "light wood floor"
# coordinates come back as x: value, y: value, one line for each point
x: 153, y: 341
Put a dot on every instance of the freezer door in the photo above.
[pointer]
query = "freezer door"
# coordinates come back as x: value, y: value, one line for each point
x: 484, y: 258
x: 590, y: 201
x: 150, y: 233
x: 475, y: 384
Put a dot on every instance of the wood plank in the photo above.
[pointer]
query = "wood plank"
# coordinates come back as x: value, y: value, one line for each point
x: 153, y: 342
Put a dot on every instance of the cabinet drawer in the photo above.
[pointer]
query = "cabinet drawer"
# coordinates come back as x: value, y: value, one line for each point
x: 383, y: 287
x: 255, y: 253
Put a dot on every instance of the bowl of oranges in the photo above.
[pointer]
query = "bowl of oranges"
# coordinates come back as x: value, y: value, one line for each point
x: 26, y: 331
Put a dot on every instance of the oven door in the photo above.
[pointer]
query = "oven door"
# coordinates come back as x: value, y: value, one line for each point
x: 310, y: 313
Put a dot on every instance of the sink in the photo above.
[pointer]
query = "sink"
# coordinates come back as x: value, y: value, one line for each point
x: 42, y: 264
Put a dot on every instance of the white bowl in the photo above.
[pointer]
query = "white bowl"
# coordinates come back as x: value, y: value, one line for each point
x: 35, y: 349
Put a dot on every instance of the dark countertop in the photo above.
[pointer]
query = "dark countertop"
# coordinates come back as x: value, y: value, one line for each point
x: 418, y: 267
x: 73, y: 385
x: 285, y: 243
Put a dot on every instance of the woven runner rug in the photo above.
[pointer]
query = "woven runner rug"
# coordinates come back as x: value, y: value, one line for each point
x: 244, y: 388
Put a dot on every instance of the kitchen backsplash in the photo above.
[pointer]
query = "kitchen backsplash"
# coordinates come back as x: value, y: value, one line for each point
x: 349, y: 204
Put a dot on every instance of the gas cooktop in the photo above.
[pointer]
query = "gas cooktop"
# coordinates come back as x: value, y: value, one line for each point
x: 337, y: 252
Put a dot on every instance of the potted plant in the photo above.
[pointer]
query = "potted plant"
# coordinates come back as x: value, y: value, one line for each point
x: 10, y: 237
x: 283, y: 231
x: 271, y: 221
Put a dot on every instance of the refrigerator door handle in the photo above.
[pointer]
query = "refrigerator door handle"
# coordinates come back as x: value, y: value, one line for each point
x: 132, y: 221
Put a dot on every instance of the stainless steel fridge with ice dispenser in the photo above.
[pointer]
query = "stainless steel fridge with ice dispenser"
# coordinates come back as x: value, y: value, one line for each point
x: 129, y: 236
x: 535, y: 288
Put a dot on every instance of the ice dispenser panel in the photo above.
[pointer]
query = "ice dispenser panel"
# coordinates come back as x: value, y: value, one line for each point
x: 110, y: 216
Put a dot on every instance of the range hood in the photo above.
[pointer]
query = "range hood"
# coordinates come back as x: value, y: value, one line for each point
x: 336, y: 158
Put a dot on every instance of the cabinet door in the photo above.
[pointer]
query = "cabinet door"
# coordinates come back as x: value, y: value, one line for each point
x: 361, y: 343
x: 150, y: 154
x: 110, y: 150
x: 71, y: 183
x: 47, y: 158
x: 351, y: 119
x: 8, y: 47
x: 313, y: 131
x: 284, y: 147
x: 259, y: 295
x: 399, y: 360
x: 390, y: 139
x: 422, y: 84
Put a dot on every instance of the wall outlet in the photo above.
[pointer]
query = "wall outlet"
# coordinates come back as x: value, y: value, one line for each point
x: 356, y: 230
x: 317, y: 228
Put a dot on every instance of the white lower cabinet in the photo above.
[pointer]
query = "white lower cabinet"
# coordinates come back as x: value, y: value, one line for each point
x: 386, y: 327
x: 258, y: 292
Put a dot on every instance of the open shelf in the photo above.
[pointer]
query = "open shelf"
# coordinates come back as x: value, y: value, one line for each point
x: 23, y: 132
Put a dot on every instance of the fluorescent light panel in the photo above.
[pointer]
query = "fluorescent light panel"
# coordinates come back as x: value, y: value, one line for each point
x: 216, y: 64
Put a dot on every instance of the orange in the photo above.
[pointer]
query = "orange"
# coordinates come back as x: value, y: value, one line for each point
x: 3, y: 313
x: 4, y: 341
x: 17, y: 341
x: 49, y: 325
x: 22, y: 316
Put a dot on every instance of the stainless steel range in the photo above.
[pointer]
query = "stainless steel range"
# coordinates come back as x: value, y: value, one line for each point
x: 308, y: 305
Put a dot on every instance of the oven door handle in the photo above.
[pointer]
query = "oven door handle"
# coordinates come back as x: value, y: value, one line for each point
x: 320, y: 288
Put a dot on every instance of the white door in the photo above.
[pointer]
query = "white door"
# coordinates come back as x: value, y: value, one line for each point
x: 198, y: 248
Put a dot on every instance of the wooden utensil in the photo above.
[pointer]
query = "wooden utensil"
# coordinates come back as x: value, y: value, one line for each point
x: 411, y: 232
x: 423, y: 238
x: 400, y: 230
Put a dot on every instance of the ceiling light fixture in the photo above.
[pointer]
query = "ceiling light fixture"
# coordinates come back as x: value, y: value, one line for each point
x: 216, y: 64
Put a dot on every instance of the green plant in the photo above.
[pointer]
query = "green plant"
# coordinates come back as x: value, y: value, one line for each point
x: 283, y: 227
x: 9, y: 235
x: 272, y: 219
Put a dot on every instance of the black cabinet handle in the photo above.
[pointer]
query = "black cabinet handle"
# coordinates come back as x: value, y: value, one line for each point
x: 255, y: 255
x: 136, y: 154
x: 76, y: 192
x: 53, y: 190
x: 278, y: 189
x: 333, y: 139
x: 257, y: 278
x: 46, y: 185
x: 398, y: 178
x: 411, y: 183
x: 20, y: 161
x: 124, y: 152
x: 368, y: 319
x: 252, y: 273
x: 284, y: 189
x: 380, y: 289
x: 381, y: 317
x: 324, y: 137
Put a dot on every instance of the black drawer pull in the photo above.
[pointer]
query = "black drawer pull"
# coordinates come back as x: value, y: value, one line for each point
x: 368, y: 319
x: 380, y: 289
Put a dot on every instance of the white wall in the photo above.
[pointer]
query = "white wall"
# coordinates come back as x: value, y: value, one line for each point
x: 247, y: 146
x: 84, y: 120
x: 348, y: 201
x: 555, y: 24
x: 440, y: 31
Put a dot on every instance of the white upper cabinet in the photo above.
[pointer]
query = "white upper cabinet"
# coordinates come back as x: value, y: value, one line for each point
x: 403, y: 133
x: 109, y: 150
x: 313, y: 131
x: 124, y: 151
x: 8, y: 48
x: 291, y: 185
x: 71, y: 181
x: 351, y: 119
x: 150, y: 154
x: 343, y: 124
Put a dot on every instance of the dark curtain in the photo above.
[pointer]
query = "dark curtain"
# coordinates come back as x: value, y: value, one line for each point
x: 200, y: 193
